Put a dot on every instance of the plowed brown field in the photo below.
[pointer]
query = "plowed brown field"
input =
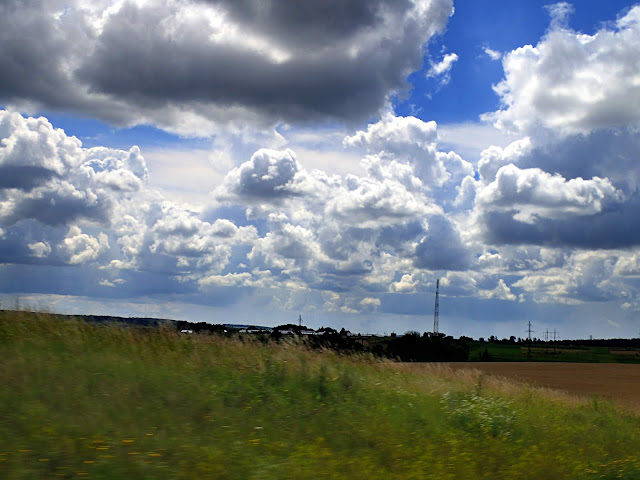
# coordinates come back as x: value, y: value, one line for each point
x: 617, y: 382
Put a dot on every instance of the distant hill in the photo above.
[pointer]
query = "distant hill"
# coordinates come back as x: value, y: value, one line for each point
x: 150, y: 321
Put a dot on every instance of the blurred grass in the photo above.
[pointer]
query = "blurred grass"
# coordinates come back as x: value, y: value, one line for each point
x: 111, y: 402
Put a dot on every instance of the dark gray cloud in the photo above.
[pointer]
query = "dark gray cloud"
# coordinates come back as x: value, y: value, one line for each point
x: 166, y: 62
x: 134, y: 60
x: 38, y: 50
x: 28, y: 51
x: 614, y: 227
x: 608, y: 153
x: 309, y: 22
x: 23, y: 178
x: 442, y: 247
x: 57, y: 203
x: 14, y: 244
x: 397, y: 237
x: 342, y: 242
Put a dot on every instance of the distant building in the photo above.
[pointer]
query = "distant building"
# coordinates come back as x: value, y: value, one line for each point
x: 327, y: 331
x: 254, y: 330
x: 286, y: 332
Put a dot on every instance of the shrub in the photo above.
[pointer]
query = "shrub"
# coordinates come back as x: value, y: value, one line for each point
x: 478, y: 414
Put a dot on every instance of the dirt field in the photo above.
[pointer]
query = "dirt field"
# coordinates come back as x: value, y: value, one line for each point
x: 618, y: 382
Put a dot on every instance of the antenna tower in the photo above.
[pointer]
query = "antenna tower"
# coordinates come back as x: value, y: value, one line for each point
x: 436, y: 310
x: 300, y: 320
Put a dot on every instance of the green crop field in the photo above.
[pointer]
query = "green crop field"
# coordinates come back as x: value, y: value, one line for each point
x: 518, y: 352
x: 114, y: 402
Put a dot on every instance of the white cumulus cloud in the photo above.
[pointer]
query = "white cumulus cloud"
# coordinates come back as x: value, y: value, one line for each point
x: 493, y: 54
x: 572, y: 82
x: 443, y: 68
x: 532, y: 193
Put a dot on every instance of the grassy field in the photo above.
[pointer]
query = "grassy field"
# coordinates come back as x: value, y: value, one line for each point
x: 106, y: 402
x: 547, y: 353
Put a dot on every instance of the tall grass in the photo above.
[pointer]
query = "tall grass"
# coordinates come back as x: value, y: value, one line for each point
x: 105, y: 402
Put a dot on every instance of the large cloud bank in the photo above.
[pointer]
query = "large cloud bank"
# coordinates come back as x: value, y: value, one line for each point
x: 346, y: 238
x: 189, y: 65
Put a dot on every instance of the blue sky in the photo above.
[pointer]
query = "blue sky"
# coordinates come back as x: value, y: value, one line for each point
x: 240, y: 163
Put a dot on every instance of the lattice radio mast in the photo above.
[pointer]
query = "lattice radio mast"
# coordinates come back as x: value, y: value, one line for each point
x: 436, y: 310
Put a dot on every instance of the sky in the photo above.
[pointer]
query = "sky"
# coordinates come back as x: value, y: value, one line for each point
x: 249, y: 161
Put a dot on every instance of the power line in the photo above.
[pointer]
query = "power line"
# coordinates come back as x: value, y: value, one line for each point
x: 546, y: 341
x: 529, y: 330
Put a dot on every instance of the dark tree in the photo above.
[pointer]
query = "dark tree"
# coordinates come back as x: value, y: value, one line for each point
x: 411, y: 347
x: 485, y: 356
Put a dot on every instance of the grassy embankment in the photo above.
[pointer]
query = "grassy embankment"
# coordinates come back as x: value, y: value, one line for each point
x: 116, y: 402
